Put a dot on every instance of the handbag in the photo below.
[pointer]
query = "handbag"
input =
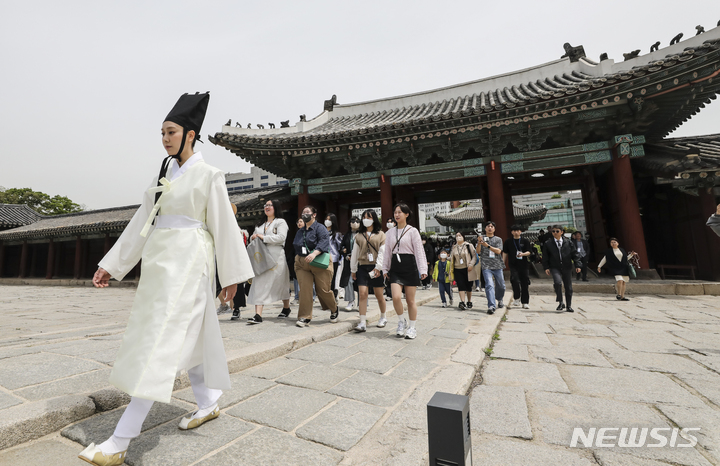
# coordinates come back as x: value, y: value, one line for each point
x: 260, y: 257
x: 322, y: 261
x: 631, y: 271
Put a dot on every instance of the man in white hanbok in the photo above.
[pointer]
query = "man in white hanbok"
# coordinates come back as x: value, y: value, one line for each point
x: 173, y: 325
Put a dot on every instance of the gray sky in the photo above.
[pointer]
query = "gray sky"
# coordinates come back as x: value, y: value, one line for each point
x: 85, y: 85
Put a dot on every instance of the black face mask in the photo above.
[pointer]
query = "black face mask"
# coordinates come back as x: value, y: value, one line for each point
x: 306, y: 217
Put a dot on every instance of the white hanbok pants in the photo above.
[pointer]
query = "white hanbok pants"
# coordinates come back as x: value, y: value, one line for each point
x: 132, y: 419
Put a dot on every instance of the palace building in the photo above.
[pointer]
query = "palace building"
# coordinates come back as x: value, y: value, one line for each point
x: 570, y: 124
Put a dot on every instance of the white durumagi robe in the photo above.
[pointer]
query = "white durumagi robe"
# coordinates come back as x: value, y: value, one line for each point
x: 173, y: 324
x: 273, y: 285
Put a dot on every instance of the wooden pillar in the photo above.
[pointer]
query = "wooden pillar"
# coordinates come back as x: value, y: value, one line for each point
x: 50, y: 260
x: 497, y: 201
x: 454, y: 204
x: 58, y: 259
x: 2, y: 258
x: 628, y: 208
x: 23, y: 259
x: 107, y: 245
x: 509, y: 211
x: 78, y: 257
x: 708, y: 206
x: 344, y: 215
x: 33, y: 259
x: 303, y: 200
x: 386, y: 200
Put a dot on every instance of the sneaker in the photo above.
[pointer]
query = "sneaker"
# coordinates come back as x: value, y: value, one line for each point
x: 235, y: 315
x: 491, y: 310
x: 382, y: 322
x: 462, y: 306
x: 303, y: 323
x: 500, y: 305
x: 256, y: 319
x: 411, y: 333
x: 388, y: 298
x: 510, y: 302
x: 284, y: 313
x: 350, y: 306
x: 296, y: 300
x: 469, y: 304
x: 223, y: 309
x: 443, y: 305
x: 451, y: 301
x: 401, y: 327
x: 526, y: 306
x: 333, y: 317
x: 359, y: 328
x: 477, y: 288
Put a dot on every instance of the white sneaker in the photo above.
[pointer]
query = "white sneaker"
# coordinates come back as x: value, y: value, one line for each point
x: 411, y: 333
x: 401, y: 327
x: 510, y: 302
x: 223, y: 309
x: 360, y: 328
x: 350, y: 306
x: 451, y: 301
x: 477, y: 288
x: 443, y: 305
x: 388, y: 298
x: 382, y: 322
x: 526, y: 306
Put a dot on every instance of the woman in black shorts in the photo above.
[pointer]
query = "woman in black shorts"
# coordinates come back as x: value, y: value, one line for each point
x: 366, y: 264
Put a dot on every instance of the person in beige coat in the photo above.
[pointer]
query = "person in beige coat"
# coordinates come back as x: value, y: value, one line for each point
x: 463, y: 259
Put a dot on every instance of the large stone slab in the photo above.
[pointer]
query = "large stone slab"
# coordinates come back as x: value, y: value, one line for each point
x: 708, y: 385
x: 317, y: 376
x: 342, y: 425
x: 322, y: 353
x: 656, y: 362
x: 32, y: 369
x: 559, y: 414
x: 424, y: 353
x: 99, y: 428
x: 380, y: 346
x: 503, y: 350
x: 29, y: 421
x: 372, y: 362
x: 268, y: 446
x: 242, y: 388
x: 169, y: 446
x: 574, y: 341
x: 706, y: 420
x: 456, y: 334
x: 372, y: 388
x: 613, y: 458
x: 282, y: 407
x: 531, y: 376
x: 529, y: 327
x: 83, y: 383
x: 41, y: 453
x: 7, y: 400
x: 275, y: 368
x: 522, y: 453
x: 413, y: 370
x: 590, y: 330
x: 580, y: 356
x: 500, y: 411
x: 530, y: 338
x: 628, y: 385
x: 650, y: 344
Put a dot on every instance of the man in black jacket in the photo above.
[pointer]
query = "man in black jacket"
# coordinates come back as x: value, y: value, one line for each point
x: 583, y: 249
x: 559, y: 256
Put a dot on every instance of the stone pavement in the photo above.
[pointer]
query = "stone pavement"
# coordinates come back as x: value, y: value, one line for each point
x: 649, y: 362
x: 321, y: 395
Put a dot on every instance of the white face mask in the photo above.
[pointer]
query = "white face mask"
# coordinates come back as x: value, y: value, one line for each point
x: 367, y: 222
x: 443, y: 256
x: 390, y: 225
x: 328, y: 223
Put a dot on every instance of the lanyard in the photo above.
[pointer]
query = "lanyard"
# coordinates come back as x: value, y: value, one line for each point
x: 518, y: 246
x: 405, y: 230
x: 266, y: 226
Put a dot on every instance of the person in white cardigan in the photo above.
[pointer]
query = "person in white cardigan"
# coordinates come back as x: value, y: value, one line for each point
x: 272, y: 285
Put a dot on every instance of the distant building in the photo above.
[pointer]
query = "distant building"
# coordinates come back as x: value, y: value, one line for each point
x: 564, y: 208
x: 257, y: 178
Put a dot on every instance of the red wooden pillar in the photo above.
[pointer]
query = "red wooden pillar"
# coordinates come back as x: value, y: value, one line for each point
x: 386, y: 200
x: 23, y: 259
x: 50, y: 260
x: 708, y: 206
x: 344, y: 215
x: 303, y: 200
x: 509, y: 211
x: 107, y: 245
x: 78, y: 257
x: 628, y: 208
x: 497, y: 201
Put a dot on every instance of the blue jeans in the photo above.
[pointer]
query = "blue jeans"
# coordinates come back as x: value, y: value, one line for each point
x: 494, y: 289
x: 445, y: 288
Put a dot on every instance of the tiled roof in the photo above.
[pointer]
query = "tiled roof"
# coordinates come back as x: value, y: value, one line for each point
x: 475, y: 214
x: 15, y: 215
x: 557, y: 79
x: 678, y: 155
x: 248, y: 202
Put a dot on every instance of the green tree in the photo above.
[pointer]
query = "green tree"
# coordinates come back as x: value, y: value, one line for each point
x: 38, y: 201
x: 555, y: 196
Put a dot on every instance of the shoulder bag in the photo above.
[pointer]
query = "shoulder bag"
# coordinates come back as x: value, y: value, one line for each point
x: 260, y: 257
